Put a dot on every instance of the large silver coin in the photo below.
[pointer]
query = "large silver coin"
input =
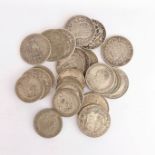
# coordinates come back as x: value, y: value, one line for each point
x: 62, y: 43
x: 48, y: 123
x: 117, y: 51
x: 77, y: 60
x: 66, y: 102
x: 99, y: 36
x: 29, y: 89
x: 77, y: 74
x: 93, y: 121
x: 43, y: 76
x: 122, y: 87
x: 100, y: 78
x: 95, y: 98
x: 82, y: 28
x: 35, y: 49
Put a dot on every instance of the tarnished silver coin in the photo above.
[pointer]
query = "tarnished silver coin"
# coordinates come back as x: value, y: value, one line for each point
x: 100, y: 78
x: 43, y: 76
x: 122, y: 87
x: 29, y: 89
x: 35, y: 49
x: 117, y: 51
x: 62, y: 43
x: 73, y: 86
x: 66, y: 102
x: 77, y: 60
x: 82, y: 28
x: 95, y: 98
x: 77, y: 74
x: 48, y: 123
x: 99, y: 36
x: 93, y: 121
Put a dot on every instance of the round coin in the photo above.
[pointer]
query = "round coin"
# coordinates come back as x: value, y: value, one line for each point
x: 122, y: 87
x: 47, y: 123
x: 75, y: 73
x: 117, y: 51
x: 29, y: 89
x: 82, y: 28
x: 95, y: 98
x: 62, y: 43
x: 77, y: 60
x: 35, y: 49
x: 43, y: 76
x: 101, y: 78
x: 99, y: 36
x: 93, y: 121
x: 66, y: 102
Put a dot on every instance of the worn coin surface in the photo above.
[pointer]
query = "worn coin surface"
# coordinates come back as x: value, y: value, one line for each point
x: 122, y: 87
x: 99, y: 36
x: 77, y: 60
x: 66, y: 102
x: 117, y: 51
x: 35, y: 49
x: 28, y: 88
x: 95, y: 98
x: 82, y: 28
x: 47, y: 123
x: 43, y: 76
x: 93, y: 121
x: 62, y: 43
x: 100, y: 78
x: 71, y: 72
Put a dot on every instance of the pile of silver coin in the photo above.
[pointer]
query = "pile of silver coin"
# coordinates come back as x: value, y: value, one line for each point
x: 77, y: 67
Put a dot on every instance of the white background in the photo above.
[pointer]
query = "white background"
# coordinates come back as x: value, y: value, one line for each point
x: 132, y: 130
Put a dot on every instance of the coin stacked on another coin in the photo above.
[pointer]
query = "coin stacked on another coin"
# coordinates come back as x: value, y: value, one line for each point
x: 77, y: 67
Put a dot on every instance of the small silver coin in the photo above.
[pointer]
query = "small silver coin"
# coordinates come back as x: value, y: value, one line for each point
x: 77, y: 74
x: 117, y: 51
x: 48, y: 123
x: 29, y: 89
x: 77, y: 60
x: 35, y: 49
x: 62, y: 43
x: 95, y: 98
x: 122, y: 87
x: 82, y: 28
x: 93, y: 121
x: 101, y: 78
x: 66, y: 102
x: 99, y: 36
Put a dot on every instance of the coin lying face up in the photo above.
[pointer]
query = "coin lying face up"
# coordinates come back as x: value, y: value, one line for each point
x: 62, y: 43
x: 35, y: 49
x: 82, y: 28
x: 93, y: 121
x: 47, y: 123
x: 117, y: 51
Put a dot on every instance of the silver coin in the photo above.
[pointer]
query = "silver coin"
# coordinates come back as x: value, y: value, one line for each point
x: 62, y: 43
x: 95, y: 98
x: 66, y: 102
x: 122, y: 87
x: 35, y: 49
x: 48, y: 123
x: 82, y: 28
x: 101, y: 78
x: 93, y: 121
x: 77, y: 60
x: 117, y: 51
x: 43, y: 76
x: 29, y: 89
x: 99, y: 36
x: 77, y: 74
x: 73, y: 86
